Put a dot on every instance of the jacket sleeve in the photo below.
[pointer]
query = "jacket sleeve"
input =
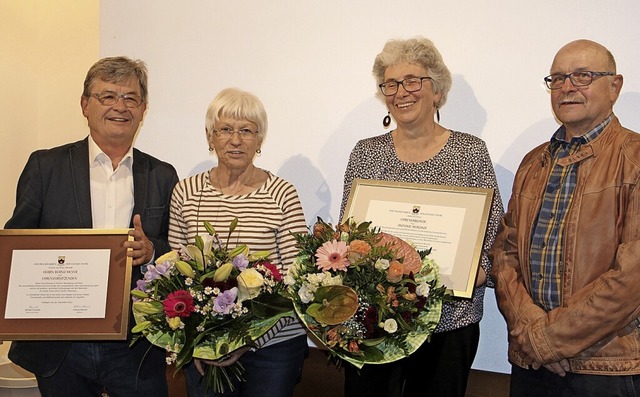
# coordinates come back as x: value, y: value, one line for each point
x: 512, y: 294
x: 29, y: 197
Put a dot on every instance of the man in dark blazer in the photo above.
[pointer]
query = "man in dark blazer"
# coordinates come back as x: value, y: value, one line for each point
x: 100, y: 182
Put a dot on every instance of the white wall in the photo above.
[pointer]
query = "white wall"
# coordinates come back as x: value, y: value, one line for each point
x: 310, y: 62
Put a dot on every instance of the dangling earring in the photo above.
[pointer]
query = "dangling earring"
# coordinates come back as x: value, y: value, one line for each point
x: 211, y: 151
x: 386, y: 121
x: 438, y: 115
x: 258, y: 152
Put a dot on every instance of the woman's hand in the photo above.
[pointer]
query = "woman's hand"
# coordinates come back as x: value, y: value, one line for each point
x: 481, y: 278
x: 223, y: 361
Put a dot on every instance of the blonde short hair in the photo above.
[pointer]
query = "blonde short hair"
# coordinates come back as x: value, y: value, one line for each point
x: 236, y: 104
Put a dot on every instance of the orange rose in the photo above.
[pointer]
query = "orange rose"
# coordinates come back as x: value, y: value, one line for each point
x: 395, y: 272
x: 358, y: 249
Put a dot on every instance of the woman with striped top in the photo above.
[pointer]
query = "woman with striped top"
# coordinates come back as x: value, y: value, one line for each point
x: 268, y: 211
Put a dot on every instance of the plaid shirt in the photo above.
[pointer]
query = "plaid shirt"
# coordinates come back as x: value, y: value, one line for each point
x: 548, y: 231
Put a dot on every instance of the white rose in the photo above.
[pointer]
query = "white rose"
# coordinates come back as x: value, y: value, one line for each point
x: 305, y: 294
x: 288, y: 279
x: 336, y: 280
x: 423, y: 289
x: 390, y: 325
x: 382, y: 264
x: 316, y: 278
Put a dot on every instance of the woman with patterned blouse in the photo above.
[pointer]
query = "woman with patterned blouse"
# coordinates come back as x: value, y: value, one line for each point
x: 414, y: 82
x: 268, y: 211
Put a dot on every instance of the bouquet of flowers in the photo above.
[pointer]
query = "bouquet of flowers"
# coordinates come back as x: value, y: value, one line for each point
x: 369, y: 297
x: 206, y: 301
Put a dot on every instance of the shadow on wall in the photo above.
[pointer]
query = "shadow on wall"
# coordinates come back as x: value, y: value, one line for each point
x: 627, y: 110
x: 312, y: 188
x: 463, y: 112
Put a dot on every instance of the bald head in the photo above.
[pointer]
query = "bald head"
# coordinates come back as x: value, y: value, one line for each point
x: 595, y: 50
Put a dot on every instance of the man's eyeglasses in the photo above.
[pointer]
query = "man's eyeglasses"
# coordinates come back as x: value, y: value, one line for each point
x: 411, y: 84
x: 578, y: 79
x: 111, y: 98
x: 227, y: 132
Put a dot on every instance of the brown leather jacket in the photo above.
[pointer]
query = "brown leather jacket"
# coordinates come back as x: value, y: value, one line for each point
x: 596, y: 327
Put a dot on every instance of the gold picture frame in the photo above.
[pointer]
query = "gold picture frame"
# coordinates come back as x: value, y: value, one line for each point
x: 112, y: 326
x: 451, y: 220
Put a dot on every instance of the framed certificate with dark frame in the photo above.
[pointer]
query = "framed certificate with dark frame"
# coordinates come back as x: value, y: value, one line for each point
x: 449, y: 220
x: 64, y: 284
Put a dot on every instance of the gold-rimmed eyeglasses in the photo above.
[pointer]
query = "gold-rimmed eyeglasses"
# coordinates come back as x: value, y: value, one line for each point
x: 111, y: 98
x: 227, y: 132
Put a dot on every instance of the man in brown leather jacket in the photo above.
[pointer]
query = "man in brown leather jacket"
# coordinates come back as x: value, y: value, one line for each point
x: 566, y: 260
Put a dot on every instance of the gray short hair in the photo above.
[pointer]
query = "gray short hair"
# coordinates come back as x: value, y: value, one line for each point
x: 420, y: 51
x: 117, y: 70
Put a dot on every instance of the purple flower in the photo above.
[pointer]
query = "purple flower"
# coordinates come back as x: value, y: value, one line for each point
x: 141, y: 285
x: 157, y: 271
x: 225, y: 302
x: 240, y: 262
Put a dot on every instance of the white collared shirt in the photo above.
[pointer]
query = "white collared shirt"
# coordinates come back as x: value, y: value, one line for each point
x: 111, y: 190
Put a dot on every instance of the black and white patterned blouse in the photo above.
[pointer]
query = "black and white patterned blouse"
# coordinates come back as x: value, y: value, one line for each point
x: 463, y: 161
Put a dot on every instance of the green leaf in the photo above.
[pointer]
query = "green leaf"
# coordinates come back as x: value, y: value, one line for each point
x: 199, y: 243
x: 333, y: 304
x: 234, y: 224
x: 196, y: 254
x: 148, y: 307
x: 141, y: 326
x: 271, y: 306
x: 185, y: 269
x: 139, y: 294
x: 259, y: 255
x: 241, y: 249
x: 206, y: 276
x: 209, y: 227
x: 372, y: 342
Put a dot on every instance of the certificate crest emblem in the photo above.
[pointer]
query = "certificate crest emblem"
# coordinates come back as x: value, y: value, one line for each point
x: 416, y: 209
x: 61, y: 260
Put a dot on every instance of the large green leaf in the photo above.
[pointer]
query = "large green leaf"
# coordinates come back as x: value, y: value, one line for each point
x: 333, y: 304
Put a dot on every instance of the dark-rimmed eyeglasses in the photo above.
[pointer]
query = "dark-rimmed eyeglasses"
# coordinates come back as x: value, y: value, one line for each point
x: 111, y: 98
x: 578, y: 79
x: 227, y: 132
x: 410, y: 84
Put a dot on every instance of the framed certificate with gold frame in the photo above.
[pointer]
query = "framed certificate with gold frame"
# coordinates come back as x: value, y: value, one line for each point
x: 64, y: 284
x: 449, y: 220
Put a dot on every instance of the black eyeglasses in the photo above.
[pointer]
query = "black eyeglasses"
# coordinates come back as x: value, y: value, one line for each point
x: 579, y: 79
x: 111, y: 98
x: 410, y: 84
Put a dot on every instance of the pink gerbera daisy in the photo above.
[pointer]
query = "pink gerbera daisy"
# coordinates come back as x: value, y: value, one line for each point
x: 332, y: 255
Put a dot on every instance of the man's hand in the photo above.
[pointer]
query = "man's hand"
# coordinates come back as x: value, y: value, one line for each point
x: 141, y: 248
x: 519, y: 340
x: 560, y: 368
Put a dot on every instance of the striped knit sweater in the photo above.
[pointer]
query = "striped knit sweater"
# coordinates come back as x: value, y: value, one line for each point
x: 266, y: 219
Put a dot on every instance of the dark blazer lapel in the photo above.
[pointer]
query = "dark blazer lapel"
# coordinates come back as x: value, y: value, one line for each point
x: 80, y: 181
x: 140, y: 180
